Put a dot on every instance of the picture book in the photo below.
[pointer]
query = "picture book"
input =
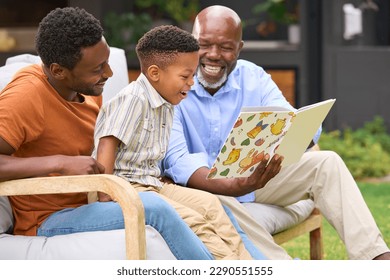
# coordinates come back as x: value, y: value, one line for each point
x: 268, y: 130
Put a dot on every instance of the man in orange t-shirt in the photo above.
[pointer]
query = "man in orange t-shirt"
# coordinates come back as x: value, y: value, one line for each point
x: 47, y: 119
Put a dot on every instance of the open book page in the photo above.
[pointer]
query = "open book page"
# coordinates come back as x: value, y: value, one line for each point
x: 254, y: 134
x: 265, y: 130
x: 305, y: 125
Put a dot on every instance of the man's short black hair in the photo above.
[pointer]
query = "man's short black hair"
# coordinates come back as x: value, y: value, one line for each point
x: 63, y: 33
x: 160, y: 45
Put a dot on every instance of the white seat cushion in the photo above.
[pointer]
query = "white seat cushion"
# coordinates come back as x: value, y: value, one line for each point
x: 96, y: 245
x: 276, y: 219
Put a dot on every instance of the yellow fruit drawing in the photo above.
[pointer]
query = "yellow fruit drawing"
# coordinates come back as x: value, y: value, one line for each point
x: 256, y: 130
x: 264, y: 115
x: 234, y: 155
x: 278, y: 126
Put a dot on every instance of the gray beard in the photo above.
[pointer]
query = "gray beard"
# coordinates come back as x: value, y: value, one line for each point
x: 206, y: 84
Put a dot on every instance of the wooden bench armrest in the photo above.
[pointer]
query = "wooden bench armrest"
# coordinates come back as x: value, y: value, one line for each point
x: 119, y: 189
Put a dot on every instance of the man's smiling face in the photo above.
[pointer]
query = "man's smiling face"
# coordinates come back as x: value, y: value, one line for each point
x: 220, y: 45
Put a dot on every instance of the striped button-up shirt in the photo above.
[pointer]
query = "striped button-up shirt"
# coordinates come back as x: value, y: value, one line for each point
x: 141, y: 119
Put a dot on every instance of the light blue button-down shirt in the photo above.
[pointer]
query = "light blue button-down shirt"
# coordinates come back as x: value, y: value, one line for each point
x: 202, y: 121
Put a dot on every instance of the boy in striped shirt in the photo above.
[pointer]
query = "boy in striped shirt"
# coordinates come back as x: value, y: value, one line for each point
x: 132, y: 134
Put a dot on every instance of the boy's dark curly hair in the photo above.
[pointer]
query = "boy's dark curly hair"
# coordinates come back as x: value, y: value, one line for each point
x: 160, y: 45
x: 62, y: 34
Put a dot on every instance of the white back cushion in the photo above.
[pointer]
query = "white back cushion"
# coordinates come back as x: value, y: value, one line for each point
x: 120, y: 77
x: 6, y: 217
x: 117, y: 61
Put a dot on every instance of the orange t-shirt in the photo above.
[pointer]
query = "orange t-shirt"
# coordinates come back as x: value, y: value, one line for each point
x: 36, y: 121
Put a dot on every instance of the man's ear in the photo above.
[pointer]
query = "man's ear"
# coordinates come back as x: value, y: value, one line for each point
x: 241, y: 45
x: 57, y: 71
x: 154, y: 73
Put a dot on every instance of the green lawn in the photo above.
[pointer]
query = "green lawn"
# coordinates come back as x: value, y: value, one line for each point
x: 377, y: 196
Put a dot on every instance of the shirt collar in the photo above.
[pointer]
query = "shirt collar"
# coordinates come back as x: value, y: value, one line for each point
x: 154, y: 98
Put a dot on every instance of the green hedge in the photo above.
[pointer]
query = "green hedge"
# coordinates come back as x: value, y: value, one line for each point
x: 366, y: 151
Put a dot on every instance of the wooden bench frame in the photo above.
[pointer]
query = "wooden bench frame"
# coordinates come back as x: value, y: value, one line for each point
x: 119, y: 189
x: 133, y: 212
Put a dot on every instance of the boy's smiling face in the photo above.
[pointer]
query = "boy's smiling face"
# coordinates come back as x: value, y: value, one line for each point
x: 175, y: 80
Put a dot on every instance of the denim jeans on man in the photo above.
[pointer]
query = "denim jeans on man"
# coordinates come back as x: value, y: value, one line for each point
x: 108, y: 216
x: 158, y: 214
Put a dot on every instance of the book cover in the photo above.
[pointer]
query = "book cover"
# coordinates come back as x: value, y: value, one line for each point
x: 268, y: 130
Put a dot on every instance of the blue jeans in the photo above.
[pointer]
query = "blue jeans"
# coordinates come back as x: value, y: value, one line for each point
x: 252, y: 249
x: 108, y: 216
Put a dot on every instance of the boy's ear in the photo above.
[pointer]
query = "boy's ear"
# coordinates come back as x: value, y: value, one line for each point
x: 153, y: 72
x: 57, y: 71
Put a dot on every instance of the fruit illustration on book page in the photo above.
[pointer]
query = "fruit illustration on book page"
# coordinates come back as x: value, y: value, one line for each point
x: 251, y: 159
x: 278, y: 126
x: 234, y: 155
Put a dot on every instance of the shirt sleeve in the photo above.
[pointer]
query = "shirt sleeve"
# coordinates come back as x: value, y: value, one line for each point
x: 178, y: 163
x: 21, y: 114
x: 317, y: 136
